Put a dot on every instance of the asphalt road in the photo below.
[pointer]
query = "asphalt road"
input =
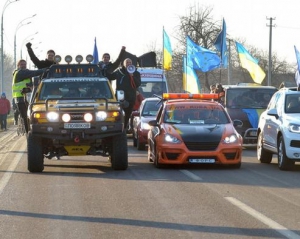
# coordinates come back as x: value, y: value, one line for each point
x: 82, y: 197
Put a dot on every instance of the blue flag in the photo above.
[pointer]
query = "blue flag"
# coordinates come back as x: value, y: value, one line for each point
x: 200, y: 58
x: 221, y: 46
x: 297, y: 75
x: 95, y: 53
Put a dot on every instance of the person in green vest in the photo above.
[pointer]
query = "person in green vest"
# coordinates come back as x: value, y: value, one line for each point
x: 21, y: 79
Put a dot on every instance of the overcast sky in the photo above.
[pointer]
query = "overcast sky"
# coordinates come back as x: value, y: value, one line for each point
x: 70, y: 26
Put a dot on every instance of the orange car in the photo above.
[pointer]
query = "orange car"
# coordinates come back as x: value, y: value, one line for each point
x: 194, y: 129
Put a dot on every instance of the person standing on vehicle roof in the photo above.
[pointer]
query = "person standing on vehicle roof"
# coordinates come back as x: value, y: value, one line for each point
x: 107, y: 66
x: 129, y: 83
x: 22, y: 77
x: 49, y: 61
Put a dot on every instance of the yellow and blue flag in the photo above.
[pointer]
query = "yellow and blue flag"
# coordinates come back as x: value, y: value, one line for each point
x: 95, y: 53
x: 167, y: 57
x: 200, y: 58
x: 191, y: 81
x: 250, y: 63
x: 221, y: 46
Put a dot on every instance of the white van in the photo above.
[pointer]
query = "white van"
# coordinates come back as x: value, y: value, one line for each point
x: 153, y: 81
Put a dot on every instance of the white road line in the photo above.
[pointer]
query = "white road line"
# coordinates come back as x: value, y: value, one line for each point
x: 191, y: 175
x: 269, y: 222
x: 5, y: 178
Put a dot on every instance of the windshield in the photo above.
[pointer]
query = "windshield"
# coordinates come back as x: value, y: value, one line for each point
x: 75, y: 89
x: 195, y: 115
x: 292, y: 103
x: 151, y: 107
x: 149, y: 89
x: 252, y: 98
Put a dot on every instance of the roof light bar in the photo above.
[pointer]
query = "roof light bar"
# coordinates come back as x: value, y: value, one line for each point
x: 203, y: 96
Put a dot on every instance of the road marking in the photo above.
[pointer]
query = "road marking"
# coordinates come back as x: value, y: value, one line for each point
x: 269, y: 222
x: 191, y: 175
x: 5, y: 178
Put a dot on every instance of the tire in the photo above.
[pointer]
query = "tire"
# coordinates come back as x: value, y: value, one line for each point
x: 119, y: 154
x: 139, y: 146
x: 35, y: 157
x: 284, y: 163
x: 134, y: 139
x: 262, y: 155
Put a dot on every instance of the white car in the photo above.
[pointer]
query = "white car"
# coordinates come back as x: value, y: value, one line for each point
x: 279, y: 129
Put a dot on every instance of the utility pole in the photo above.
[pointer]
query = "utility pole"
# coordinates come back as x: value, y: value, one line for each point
x: 270, y: 49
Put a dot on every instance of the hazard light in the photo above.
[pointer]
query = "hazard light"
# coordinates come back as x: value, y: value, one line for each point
x: 203, y: 96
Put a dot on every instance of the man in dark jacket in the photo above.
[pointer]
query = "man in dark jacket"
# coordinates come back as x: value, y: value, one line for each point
x: 49, y: 61
x: 128, y: 82
x: 107, y: 66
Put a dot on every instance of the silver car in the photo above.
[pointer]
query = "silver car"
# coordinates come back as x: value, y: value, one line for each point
x: 279, y: 129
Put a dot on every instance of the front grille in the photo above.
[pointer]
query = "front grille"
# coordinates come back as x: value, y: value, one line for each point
x: 77, y: 116
x: 295, y: 143
x: 201, y: 146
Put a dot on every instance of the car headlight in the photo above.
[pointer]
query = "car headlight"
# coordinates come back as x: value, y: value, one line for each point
x: 66, y: 117
x: 230, y: 139
x: 88, y: 117
x: 52, y: 116
x: 171, y: 139
x: 145, y: 126
x: 101, y: 116
x: 294, y: 128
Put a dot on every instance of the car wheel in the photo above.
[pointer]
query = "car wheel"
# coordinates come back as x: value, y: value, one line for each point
x: 35, y: 156
x: 119, y: 154
x: 284, y: 163
x: 262, y: 155
x: 134, y: 138
x: 139, y: 145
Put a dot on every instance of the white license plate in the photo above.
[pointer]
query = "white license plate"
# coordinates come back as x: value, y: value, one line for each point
x: 77, y: 125
x: 202, y: 160
x: 253, y: 133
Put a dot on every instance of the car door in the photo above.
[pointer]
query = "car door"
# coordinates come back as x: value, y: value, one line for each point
x: 272, y: 121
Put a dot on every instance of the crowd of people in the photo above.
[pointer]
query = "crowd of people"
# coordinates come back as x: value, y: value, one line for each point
x: 127, y: 81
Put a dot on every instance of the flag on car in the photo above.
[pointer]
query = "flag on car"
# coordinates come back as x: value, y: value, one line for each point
x: 95, y: 53
x: 250, y: 63
x: 297, y: 75
x: 200, y: 58
x: 221, y: 46
x: 167, y: 54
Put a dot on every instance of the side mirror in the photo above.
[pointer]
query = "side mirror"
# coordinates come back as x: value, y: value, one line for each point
x: 120, y: 95
x: 153, y: 123
x: 237, y: 123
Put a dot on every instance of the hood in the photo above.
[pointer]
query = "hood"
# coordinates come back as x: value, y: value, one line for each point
x: 197, y: 133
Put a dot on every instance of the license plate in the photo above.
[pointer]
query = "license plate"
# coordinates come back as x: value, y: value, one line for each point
x: 77, y: 125
x: 253, y: 133
x: 202, y: 160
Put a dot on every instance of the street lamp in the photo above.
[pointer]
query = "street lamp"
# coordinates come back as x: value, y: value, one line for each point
x: 26, y: 39
x: 2, y: 58
x: 21, y: 24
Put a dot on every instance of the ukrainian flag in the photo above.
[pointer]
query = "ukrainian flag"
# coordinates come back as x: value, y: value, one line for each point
x: 191, y: 81
x: 250, y: 63
x: 167, y: 57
